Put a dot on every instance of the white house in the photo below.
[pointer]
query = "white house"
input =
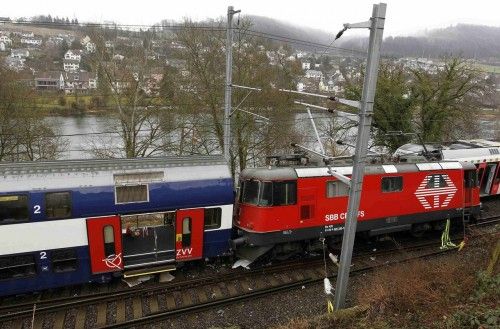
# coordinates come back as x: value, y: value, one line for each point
x: 73, y: 54
x: 14, y: 63
x: 306, y: 65
x: 90, y: 47
x: 2, y: 46
x: 71, y: 65
x: 314, y: 74
x: 5, y: 39
x: 19, y: 53
x: 82, y: 81
x: 31, y: 41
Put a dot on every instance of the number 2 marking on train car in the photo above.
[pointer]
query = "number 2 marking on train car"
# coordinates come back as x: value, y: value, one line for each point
x: 43, y: 255
x: 36, y: 209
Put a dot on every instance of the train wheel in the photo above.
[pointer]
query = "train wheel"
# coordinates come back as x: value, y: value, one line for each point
x: 419, y: 230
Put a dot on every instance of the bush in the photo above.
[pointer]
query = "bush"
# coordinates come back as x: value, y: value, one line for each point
x: 62, y: 101
x: 481, y: 316
x: 421, y: 290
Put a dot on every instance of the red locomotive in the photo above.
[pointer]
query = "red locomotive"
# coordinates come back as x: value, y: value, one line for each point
x: 287, y: 206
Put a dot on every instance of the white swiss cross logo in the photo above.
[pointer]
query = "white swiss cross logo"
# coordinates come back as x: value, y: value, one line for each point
x: 435, y: 191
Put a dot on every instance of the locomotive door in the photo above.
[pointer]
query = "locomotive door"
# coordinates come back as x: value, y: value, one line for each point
x: 470, y: 182
x: 105, y: 244
x: 189, y: 234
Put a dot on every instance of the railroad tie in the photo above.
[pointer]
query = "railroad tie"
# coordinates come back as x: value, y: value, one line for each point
x: 186, y: 298
x: 202, y: 296
x: 232, y: 289
x: 102, y: 310
x: 80, y: 318
x: 59, y: 320
x: 153, y: 304
x: 137, y: 308
x: 120, y: 311
x: 170, y: 302
x: 246, y: 286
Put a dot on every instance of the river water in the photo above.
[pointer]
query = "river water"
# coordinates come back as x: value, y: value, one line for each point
x: 84, y: 133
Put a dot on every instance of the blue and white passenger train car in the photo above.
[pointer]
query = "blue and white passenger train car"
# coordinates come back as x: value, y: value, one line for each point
x: 68, y: 222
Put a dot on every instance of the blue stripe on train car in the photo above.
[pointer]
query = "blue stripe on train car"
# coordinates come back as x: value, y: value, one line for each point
x: 46, y: 278
x: 100, y: 201
x: 216, y: 242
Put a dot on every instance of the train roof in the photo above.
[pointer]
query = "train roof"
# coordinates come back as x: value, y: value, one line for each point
x: 284, y: 173
x: 84, y: 173
x: 473, y: 155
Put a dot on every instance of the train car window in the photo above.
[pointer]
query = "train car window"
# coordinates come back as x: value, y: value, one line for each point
x: 64, y: 260
x: 336, y: 189
x: 251, y: 192
x: 266, y: 194
x: 213, y: 218
x: 143, y: 220
x: 57, y: 205
x: 436, y: 181
x: 13, y: 208
x: 14, y: 267
x: 284, y: 193
x: 169, y: 218
x: 109, y: 240
x: 392, y: 184
x: 131, y: 193
x: 186, y: 232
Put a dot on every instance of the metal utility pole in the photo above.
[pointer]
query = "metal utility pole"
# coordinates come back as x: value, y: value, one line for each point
x: 376, y: 26
x: 229, y: 77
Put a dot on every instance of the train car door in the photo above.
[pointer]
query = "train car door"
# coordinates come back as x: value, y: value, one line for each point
x: 105, y: 244
x: 491, y: 170
x: 495, y: 188
x: 189, y: 234
x: 481, y: 168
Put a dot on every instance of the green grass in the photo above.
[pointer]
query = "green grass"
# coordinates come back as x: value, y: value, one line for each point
x: 487, y: 68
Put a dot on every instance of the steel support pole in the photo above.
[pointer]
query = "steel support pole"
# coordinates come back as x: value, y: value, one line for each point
x: 365, y: 120
x: 229, y: 77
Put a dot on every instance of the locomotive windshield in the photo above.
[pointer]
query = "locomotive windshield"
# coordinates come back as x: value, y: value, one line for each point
x: 268, y: 193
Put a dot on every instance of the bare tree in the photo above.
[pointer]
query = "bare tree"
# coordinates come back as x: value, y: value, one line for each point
x: 134, y: 110
x: 25, y: 134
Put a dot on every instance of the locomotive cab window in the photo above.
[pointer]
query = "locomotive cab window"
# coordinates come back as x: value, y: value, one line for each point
x: 57, y: 205
x: 284, y: 193
x: 267, y: 194
x: 213, y: 218
x: 392, y: 184
x: 13, y: 208
x: 250, y: 192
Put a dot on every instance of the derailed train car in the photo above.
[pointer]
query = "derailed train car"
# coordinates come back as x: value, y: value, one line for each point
x: 68, y: 222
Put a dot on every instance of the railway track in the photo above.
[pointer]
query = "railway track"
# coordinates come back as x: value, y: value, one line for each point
x: 132, y: 306
x: 151, y: 304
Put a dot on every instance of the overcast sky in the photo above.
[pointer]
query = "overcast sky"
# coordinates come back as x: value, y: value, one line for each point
x: 404, y: 17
